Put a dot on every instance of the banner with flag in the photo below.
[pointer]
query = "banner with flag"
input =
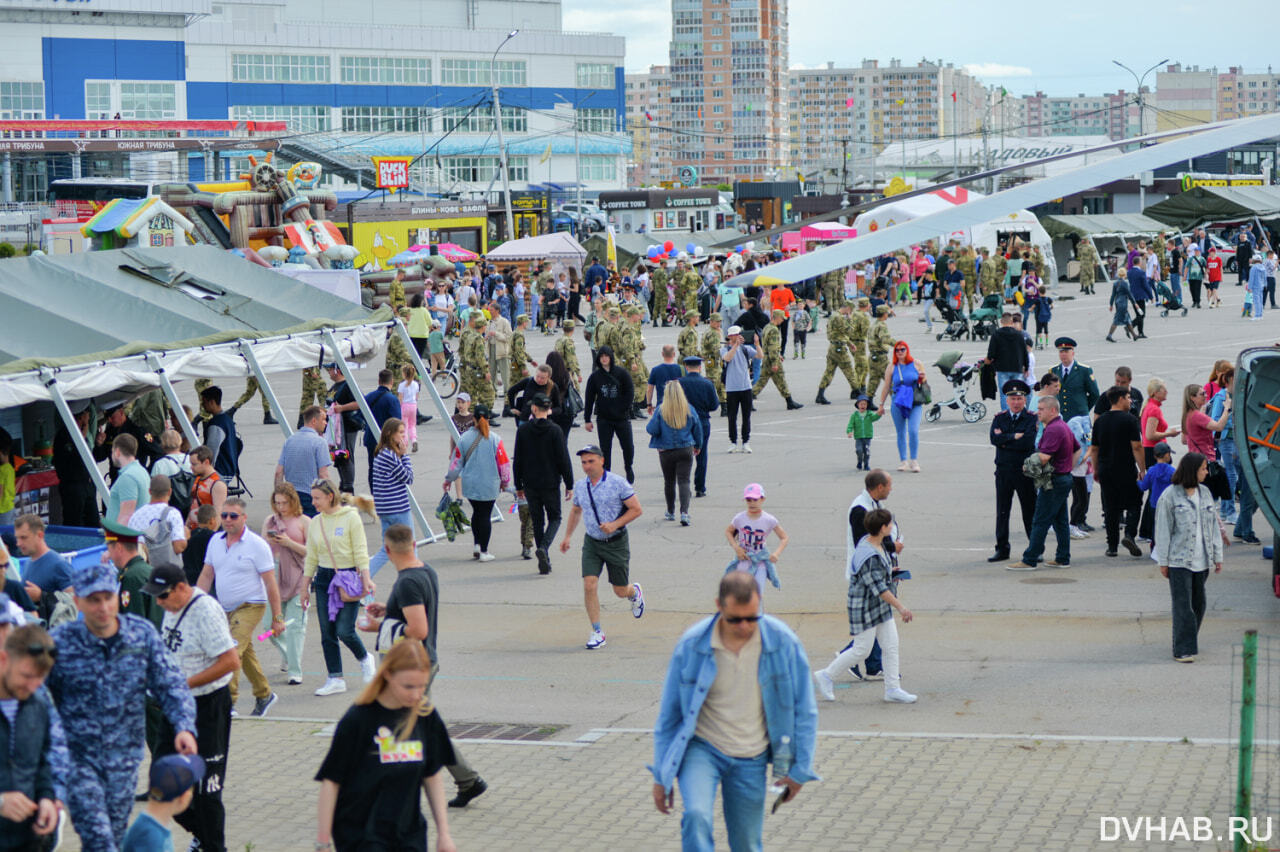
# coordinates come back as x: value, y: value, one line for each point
x: 546, y: 155
x: 611, y: 253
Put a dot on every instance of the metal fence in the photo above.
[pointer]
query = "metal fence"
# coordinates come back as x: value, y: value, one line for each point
x: 1255, y: 734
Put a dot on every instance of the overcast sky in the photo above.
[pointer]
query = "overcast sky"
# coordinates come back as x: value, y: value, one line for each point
x: 1062, y: 48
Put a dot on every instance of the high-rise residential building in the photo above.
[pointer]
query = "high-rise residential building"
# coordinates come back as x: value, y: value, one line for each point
x: 1192, y: 95
x: 855, y: 112
x: 729, y: 88
x: 1114, y: 114
x: 649, y: 124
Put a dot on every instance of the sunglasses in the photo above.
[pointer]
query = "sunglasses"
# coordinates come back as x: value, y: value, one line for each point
x: 901, y: 349
x: 738, y: 619
x: 36, y: 649
x: 231, y: 516
x: 162, y: 595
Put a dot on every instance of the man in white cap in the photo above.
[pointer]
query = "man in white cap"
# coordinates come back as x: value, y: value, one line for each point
x: 736, y: 356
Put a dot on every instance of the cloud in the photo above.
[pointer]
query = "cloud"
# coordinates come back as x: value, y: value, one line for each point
x: 646, y: 26
x: 995, y: 69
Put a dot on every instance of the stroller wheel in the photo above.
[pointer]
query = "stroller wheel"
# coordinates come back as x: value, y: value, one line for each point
x: 934, y: 414
x: 974, y: 411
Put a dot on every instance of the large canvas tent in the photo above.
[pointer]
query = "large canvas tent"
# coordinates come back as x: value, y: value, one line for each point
x: 558, y: 246
x: 633, y: 248
x: 1217, y: 204
x: 1107, y: 231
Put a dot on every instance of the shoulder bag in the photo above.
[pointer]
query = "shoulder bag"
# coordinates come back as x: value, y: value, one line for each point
x: 342, y: 593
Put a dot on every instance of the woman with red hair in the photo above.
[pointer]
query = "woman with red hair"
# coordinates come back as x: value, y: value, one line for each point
x: 901, y: 378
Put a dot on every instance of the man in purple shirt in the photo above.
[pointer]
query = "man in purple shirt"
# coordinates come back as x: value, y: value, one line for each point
x: 1057, y: 448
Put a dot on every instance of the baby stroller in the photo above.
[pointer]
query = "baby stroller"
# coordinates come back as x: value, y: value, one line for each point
x: 959, y: 374
x: 985, y: 318
x: 1167, y: 300
x: 957, y: 322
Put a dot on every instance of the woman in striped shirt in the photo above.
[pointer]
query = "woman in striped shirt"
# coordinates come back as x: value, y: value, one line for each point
x: 392, y: 476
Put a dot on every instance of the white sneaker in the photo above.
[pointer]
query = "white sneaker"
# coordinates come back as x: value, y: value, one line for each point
x: 637, y: 603
x: 332, y: 686
x: 898, y: 695
x: 746, y: 448
x: 733, y: 448
x: 486, y: 557
x: 596, y: 640
x: 369, y: 666
x: 475, y: 551
x: 826, y: 686
x: 1076, y: 532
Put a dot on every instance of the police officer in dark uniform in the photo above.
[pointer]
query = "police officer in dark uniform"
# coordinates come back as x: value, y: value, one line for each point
x: 1078, y: 393
x: 1013, y: 434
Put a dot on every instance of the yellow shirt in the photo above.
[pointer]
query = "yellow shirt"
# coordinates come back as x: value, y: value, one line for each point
x: 344, y: 531
x: 732, y: 717
x: 7, y: 488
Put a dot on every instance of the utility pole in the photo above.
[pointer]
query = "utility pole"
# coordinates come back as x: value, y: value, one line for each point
x: 502, y: 149
x: 844, y: 165
x: 1139, y: 80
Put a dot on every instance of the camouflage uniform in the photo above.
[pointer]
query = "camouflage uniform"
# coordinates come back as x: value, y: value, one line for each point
x: 519, y: 356
x: 692, y: 283
x: 395, y: 295
x: 617, y: 325
x: 473, y: 367
x: 772, y: 368
x: 1159, y: 246
x: 965, y: 266
x: 633, y: 345
x: 859, y: 329
x: 659, y: 283
x: 101, y: 689
x: 989, y: 277
x: 313, y: 389
x: 838, y: 340
x: 1088, y: 263
x: 569, y: 353
x: 712, y: 368
x: 602, y: 333
x: 687, y: 342
x: 833, y: 290
x: 1037, y: 260
x: 880, y: 346
x: 397, y: 355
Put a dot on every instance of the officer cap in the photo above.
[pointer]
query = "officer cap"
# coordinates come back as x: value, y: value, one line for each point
x: 568, y: 325
x: 882, y: 310
x: 688, y: 315
x: 1015, y: 386
x: 692, y: 360
x: 714, y: 317
x: 1064, y: 343
x: 94, y: 577
x: 116, y: 531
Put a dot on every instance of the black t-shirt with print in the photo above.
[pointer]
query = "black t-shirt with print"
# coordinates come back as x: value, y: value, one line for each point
x: 380, y: 778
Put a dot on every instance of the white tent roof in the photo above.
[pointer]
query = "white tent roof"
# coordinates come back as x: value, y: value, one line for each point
x: 558, y: 245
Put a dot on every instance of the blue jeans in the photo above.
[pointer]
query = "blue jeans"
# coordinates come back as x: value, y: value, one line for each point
x: 745, y: 782
x: 755, y: 369
x: 700, y: 463
x: 908, y: 439
x: 1175, y: 284
x: 1051, y: 511
x: 380, y: 558
x: 342, y: 629
x: 1227, y: 456
x: 1248, y: 505
x: 1255, y: 291
x: 1001, y: 378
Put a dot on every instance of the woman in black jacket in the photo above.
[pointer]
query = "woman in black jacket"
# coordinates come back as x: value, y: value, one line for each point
x: 520, y: 395
x: 609, y: 394
x: 563, y: 417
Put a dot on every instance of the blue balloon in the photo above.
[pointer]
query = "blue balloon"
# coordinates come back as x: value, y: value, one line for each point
x: 691, y: 248
x: 654, y: 251
x: 737, y: 249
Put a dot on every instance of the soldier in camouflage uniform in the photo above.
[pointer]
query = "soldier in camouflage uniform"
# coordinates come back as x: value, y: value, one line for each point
x: 519, y: 354
x: 397, y: 354
x: 1160, y: 244
x: 313, y: 391
x: 687, y: 342
x: 108, y: 664
x: 839, y: 348
x: 633, y: 345
x: 773, y: 367
x: 712, y: 340
x: 616, y: 327
x: 832, y: 291
x: 859, y: 331
x: 967, y: 267
x: 658, y: 280
x: 250, y: 388
x: 692, y: 283
x: 473, y: 365
x: 1088, y: 263
x: 880, y: 348
x: 570, y: 354
x: 395, y: 293
x: 987, y: 273
x: 603, y: 329
x: 680, y: 281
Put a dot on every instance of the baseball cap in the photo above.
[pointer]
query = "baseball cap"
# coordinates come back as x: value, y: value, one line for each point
x: 173, y: 775
x: 163, y: 579
x: 734, y: 329
x: 541, y: 400
x: 464, y: 397
x: 754, y: 491
x: 1163, y: 447
x: 590, y: 450
x: 95, y: 577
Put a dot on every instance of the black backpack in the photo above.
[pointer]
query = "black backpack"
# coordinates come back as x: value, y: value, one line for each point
x: 182, y: 484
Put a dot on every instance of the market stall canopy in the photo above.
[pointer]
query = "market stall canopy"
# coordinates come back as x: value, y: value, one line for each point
x: 557, y: 246
x: 827, y: 231
x: 1086, y: 225
x: 1203, y: 204
x: 633, y: 248
x: 72, y: 313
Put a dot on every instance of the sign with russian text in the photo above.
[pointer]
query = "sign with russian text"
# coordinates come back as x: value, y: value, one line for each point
x: 393, y: 172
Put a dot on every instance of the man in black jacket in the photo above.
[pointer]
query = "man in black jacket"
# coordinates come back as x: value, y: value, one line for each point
x: 753, y: 322
x: 28, y: 792
x: 1007, y: 352
x: 1013, y: 434
x: 609, y: 394
x: 541, y: 460
x: 701, y: 394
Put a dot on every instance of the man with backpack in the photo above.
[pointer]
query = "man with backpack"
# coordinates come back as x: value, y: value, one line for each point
x: 220, y: 433
x: 161, y: 525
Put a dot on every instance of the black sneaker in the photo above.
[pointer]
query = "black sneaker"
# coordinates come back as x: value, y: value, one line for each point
x: 262, y: 705
x: 1112, y: 554
x: 464, y: 797
x: 999, y: 556
x: 1131, y: 546
x: 1085, y: 526
x: 544, y: 561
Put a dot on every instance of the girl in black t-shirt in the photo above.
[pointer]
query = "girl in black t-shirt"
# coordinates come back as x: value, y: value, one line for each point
x: 386, y: 748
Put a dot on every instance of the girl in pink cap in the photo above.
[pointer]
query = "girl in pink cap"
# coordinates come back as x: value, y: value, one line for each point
x: 747, y: 534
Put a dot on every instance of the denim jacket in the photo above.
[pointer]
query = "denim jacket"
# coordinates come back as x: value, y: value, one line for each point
x: 667, y: 437
x: 786, y: 688
x: 1175, y: 530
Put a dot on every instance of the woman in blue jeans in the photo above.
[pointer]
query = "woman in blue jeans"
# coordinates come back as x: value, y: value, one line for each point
x: 901, y: 377
x: 392, y: 476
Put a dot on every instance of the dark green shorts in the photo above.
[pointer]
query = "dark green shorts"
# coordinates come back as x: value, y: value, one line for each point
x: 615, y: 555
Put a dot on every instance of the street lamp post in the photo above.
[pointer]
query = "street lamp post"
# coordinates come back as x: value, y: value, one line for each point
x: 1139, y: 80
x: 497, y: 122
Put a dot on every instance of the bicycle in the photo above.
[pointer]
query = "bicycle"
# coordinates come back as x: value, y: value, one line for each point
x: 446, y: 379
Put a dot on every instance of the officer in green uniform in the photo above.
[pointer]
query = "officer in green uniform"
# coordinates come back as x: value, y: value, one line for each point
x: 473, y: 365
x: 519, y: 354
x: 1078, y: 391
x: 567, y: 351
x: 773, y: 367
x: 658, y: 280
x: 879, y: 348
x: 713, y: 368
x: 687, y: 342
x: 859, y: 331
x: 1088, y: 259
x: 967, y: 267
x: 132, y: 571
x: 839, y: 349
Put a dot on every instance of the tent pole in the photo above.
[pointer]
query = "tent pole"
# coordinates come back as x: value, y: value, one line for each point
x: 445, y: 415
x: 82, y: 446
x: 172, y: 396
x: 431, y: 535
x: 247, y: 351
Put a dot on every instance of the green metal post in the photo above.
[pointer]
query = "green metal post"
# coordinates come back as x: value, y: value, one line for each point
x: 1244, y: 778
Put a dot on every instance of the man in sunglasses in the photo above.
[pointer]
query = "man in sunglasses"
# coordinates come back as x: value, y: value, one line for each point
x: 752, y: 704
x: 108, y: 663
x: 195, y: 631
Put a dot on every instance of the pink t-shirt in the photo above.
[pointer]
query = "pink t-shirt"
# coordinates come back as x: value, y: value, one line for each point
x: 1152, y: 409
x: 753, y: 533
x: 1199, y: 435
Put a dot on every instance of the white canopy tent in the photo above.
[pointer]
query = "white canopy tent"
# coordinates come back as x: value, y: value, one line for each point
x: 555, y: 247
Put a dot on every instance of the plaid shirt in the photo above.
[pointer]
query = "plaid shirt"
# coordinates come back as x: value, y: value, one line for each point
x: 870, y: 580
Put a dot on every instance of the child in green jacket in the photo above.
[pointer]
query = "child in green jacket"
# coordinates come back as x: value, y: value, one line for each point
x: 860, y: 427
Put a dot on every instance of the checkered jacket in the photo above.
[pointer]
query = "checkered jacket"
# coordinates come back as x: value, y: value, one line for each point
x: 870, y: 580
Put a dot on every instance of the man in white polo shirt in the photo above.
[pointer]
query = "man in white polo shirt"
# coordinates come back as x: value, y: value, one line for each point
x: 241, y: 563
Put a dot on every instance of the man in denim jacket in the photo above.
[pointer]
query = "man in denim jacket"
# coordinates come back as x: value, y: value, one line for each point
x: 737, y: 697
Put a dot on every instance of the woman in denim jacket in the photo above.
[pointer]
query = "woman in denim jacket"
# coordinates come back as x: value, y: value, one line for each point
x: 676, y: 433
x: 1189, y: 543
